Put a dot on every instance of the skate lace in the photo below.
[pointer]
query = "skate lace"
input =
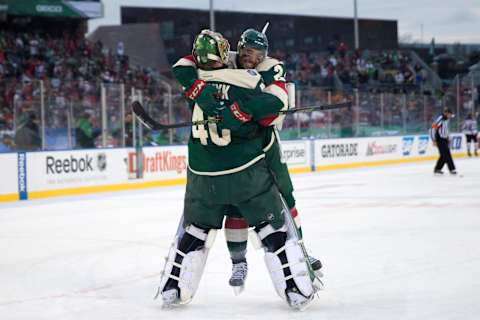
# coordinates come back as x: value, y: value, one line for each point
x: 239, y: 270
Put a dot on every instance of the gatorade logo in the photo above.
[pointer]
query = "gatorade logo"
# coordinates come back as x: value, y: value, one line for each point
x: 49, y: 8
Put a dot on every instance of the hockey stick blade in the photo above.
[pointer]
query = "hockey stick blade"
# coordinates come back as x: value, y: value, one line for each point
x: 149, y: 122
x: 323, y: 107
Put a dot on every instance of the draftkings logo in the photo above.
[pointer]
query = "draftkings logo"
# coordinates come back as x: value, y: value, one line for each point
x: 161, y: 161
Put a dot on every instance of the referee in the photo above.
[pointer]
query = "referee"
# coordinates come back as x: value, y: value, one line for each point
x: 439, y: 135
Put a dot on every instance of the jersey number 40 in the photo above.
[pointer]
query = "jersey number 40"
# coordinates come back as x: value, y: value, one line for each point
x: 201, y: 133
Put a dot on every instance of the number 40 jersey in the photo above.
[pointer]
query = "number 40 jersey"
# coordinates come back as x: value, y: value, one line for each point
x: 214, y: 150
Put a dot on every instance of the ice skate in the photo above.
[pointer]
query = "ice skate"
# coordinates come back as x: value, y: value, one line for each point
x: 239, y: 274
x: 170, y: 298
x: 297, y: 300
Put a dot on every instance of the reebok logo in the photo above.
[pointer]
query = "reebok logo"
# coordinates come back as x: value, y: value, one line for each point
x: 69, y: 165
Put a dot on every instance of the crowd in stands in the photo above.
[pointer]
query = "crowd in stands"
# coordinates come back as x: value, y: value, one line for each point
x: 353, y: 69
x: 71, y: 69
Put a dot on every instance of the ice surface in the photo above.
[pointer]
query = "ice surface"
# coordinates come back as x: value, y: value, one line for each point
x: 396, y: 243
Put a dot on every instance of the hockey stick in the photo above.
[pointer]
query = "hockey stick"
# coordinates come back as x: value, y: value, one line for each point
x: 323, y: 107
x: 149, y: 122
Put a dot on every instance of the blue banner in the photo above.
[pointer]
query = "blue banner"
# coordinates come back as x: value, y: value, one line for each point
x: 22, y: 175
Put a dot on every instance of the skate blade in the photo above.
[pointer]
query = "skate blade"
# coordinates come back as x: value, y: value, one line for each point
x: 299, y: 302
x: 318, y: 273
x: 237, y: 290
x: 317, y: 285
x: 170, y: 299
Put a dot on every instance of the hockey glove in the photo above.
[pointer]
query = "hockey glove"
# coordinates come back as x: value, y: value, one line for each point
x: 233, y: 116
x: 202, y: 93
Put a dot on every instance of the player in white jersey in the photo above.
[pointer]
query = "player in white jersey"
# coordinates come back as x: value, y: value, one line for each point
x: 469, y: 128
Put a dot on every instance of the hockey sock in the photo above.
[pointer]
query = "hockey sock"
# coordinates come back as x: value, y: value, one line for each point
x: 290, y: 200
x: 298, y: 224
x: 236, y: 234
x: 187, y: 244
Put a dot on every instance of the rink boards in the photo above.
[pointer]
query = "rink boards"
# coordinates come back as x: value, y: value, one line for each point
x: 34, y: 175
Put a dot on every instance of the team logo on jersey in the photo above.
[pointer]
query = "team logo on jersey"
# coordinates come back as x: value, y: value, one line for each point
x: 252, y: 72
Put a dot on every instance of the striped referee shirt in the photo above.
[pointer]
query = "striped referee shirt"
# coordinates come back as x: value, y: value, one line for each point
x: 440, y: 127
x: 470, y: 126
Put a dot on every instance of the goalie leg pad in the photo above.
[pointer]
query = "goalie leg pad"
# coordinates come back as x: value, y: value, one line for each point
x: 287, y: 266
x: 285, y: 260
x: 185, y: 263
x: 293, y: 269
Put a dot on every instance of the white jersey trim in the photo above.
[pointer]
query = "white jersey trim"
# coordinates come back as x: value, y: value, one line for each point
x: 244, y: 78
x: 267, y: 64
x: 236, y: 235
x: 185, y: 63
x: 230, y: 171
x: 270, y: 144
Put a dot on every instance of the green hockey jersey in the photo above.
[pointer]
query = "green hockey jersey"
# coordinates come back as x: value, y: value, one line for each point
x: 205, y: 140
x: 217, y: 151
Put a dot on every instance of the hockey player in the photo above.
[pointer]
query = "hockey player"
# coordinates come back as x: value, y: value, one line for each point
x: 251, y: 53
x: 470, y: 130
x: 227, y: 170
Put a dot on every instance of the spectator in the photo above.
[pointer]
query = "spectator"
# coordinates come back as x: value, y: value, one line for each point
x: 27, y: 136
x: 85, y: 134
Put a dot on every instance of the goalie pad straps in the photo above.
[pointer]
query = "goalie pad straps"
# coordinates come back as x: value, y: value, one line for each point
x: 185, y: 263
x: 197, y: 87
x: 286, y: 262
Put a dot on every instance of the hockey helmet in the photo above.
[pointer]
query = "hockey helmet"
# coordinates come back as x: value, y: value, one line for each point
x: 252, y: 38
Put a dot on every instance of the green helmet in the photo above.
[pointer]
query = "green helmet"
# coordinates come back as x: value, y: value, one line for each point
x: 209, y: 45
x: 252, y: 38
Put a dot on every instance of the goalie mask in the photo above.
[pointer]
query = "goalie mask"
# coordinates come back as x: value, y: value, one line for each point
x: 210, y: 46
